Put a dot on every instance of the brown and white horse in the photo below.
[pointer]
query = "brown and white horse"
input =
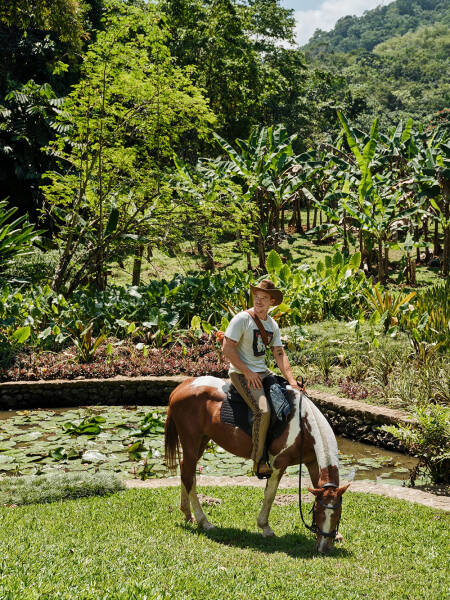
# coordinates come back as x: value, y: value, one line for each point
x: 193, y: 419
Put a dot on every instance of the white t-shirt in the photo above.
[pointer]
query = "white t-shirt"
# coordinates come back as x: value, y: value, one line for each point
x: 250, y: 347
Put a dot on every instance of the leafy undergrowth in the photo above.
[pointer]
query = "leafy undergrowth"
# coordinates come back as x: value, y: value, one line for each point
x: 201, y: 358
x: 135, y: 545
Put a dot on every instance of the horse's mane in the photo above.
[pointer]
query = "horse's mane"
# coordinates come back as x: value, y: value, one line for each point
x: 325, y: 444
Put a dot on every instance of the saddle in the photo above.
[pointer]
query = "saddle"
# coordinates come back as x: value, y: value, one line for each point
x: 235, y: 410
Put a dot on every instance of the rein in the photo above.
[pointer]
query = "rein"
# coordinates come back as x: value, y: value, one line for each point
x: 314, y: 528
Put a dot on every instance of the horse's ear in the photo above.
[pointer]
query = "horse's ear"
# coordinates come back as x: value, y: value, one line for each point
x: 342, y: 489
x: 316, y: 491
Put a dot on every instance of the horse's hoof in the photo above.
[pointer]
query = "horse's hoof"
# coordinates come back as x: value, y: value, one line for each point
x: 207, y: 526
x: 188, y: 518
x: 268, y: 532
x: 339, y: 538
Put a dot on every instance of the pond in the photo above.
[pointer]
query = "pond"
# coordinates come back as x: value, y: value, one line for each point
x: 129, y: 441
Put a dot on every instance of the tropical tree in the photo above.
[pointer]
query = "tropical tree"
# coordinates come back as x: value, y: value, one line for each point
x: 118, y: 130
x: 63, y: 17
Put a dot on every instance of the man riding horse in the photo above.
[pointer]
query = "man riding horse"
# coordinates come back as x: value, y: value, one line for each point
x: 246, y: 338
x: 194, y: 417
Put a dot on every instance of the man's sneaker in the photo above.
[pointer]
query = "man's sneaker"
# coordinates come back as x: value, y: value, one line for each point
x: 262, y: 470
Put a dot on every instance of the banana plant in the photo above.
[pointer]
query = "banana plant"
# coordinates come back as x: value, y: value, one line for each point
x: 432, y: 172
x: 262, y: 163
x: 378, y: 206
x: 207, y: 203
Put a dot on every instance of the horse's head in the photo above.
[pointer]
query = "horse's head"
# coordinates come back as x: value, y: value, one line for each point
x: 327, y: 514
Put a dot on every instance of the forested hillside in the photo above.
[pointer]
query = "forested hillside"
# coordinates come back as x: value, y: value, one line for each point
x: 376, y: 26
x: 394, y: 59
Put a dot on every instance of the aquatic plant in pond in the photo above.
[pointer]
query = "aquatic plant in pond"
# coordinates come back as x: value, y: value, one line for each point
x: 130, y: 443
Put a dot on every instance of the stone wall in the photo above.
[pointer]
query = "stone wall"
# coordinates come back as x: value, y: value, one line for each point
x: 360, y: 421
x: 80, y: 392
x: 349, y: 418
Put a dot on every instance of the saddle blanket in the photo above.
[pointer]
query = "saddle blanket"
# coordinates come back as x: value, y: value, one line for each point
x: 236, y: 412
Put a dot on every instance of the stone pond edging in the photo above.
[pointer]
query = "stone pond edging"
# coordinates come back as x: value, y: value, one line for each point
x: 350, y: 418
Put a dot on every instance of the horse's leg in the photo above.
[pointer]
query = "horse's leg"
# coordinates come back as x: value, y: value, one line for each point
x: 188, y: 485
x: 185, y: 505
x: 269, y: 495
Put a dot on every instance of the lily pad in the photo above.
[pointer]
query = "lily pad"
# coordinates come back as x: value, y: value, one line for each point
x: 29, y: 437
x: 6, y: 445
x: 93, y: 456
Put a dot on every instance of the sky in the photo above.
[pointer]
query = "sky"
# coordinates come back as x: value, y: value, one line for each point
x: 323, y: 14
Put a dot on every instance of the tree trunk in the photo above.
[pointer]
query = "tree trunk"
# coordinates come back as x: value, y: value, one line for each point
x: 436, y: 245
x: 444, y: 183
x: 261, y: 253
x: 299, y: 215
x: 412, y: 268
x: 380, y: 262
x: 315, y: 216
x: 426, y: 240
x: 137, y: 265
x: 249, y: 261
x: 275, y: 228
x: 345, y: 248
x: 308, y: 207
x: 209, y: 255
x: 446, y: 253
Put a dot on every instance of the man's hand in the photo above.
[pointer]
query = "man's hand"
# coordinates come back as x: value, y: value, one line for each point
x: 253, y: 379
x: 300, y: 386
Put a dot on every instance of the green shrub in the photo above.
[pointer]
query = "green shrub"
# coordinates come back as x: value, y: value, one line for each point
x: 333, y: 289
x: 51, y: 488
x: 35, y: 268
x: 427, y: 325
x: 429, y: 441
x: 16, y: 237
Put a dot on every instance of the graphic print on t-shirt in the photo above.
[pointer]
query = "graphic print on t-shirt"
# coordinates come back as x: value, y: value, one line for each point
x: 258, y: 345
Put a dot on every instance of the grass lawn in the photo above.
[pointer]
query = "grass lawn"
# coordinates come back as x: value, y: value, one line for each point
x: 299, y: 249
x: 135, y: 545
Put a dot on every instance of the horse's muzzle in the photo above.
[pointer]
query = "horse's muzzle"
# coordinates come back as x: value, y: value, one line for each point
x: 324, y: 545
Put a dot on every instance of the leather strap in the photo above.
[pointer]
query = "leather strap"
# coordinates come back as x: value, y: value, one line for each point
x: 262, y: 331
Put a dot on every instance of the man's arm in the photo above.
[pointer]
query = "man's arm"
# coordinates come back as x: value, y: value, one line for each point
x: 230, y: 352
x: 284, y: 366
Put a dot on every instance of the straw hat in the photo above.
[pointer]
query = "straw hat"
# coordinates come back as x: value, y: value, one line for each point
x: 266, y: 285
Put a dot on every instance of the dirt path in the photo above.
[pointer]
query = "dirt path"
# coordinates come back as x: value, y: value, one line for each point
x: 371, y: 487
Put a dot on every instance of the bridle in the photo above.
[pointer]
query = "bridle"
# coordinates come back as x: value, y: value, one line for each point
x: 314, y: 528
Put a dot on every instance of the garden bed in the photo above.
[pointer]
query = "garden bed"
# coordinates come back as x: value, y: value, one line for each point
x: 199, y: 358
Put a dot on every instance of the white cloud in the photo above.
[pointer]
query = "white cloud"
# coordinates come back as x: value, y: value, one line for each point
x: 329, y: 12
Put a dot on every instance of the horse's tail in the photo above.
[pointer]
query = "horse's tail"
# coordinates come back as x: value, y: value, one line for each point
x: 171, y: 443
